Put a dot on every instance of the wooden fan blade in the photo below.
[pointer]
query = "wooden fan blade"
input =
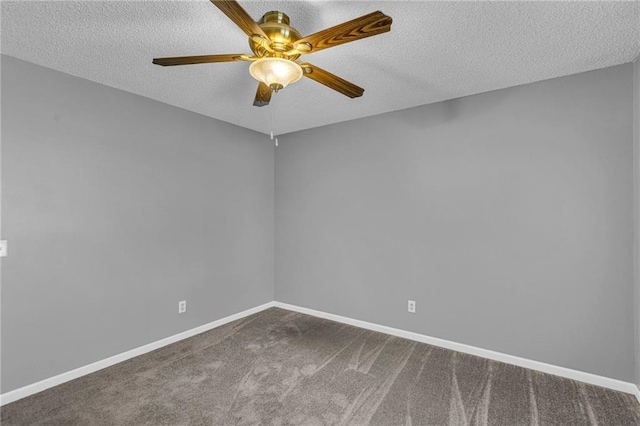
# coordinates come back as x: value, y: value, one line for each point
x: 263, y: 95
x: 240, y: 17
x: 204, y: 59
x: 331, y: 81
x: 365, y: 26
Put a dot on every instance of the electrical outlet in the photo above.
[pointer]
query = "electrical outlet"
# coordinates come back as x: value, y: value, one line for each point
x: 182, y: 306
x: 412, y: 306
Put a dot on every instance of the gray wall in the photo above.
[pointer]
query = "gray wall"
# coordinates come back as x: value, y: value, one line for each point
x: 507, y: 216
x: 116, y: 207
x: 636, y: 193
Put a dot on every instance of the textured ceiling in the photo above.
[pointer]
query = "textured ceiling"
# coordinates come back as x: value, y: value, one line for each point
x: 435, y: 51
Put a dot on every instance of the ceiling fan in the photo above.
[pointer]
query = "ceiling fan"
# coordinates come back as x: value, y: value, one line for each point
x: 277, y: 46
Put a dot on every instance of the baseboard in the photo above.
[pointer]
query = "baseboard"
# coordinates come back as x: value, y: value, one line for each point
x: 581, y: 376
x: 25, y: 391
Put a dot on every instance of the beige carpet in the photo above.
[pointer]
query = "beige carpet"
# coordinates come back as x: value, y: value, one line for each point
x: 278, y: 367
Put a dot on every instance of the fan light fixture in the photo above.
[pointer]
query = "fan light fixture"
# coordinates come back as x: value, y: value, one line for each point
x: 276, y: 73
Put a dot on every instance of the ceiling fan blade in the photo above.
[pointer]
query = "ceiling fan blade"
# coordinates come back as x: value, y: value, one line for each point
x: 204, y: 59
x: 331, y: 81
x: 365, y: 26
x: 240, y: 17
x: 263, y: 95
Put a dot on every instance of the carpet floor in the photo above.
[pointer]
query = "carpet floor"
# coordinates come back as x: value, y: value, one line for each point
x: 278, y: 367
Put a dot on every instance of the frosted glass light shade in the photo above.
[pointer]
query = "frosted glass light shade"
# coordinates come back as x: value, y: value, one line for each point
x: 276, y: 73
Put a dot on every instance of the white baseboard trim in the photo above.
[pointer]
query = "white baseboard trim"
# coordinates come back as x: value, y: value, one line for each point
x: 25, y: 391
x: 581, y: 376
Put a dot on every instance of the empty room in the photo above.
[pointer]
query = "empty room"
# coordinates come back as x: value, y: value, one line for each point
x: 242, y: 212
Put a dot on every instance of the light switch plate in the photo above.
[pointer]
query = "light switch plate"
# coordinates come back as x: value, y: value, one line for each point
x: 3, y: 248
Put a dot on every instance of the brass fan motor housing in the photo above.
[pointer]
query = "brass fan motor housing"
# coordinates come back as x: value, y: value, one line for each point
x: 276, y: 26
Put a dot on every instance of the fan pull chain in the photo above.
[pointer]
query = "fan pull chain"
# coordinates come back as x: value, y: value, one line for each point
x: 271, y: 133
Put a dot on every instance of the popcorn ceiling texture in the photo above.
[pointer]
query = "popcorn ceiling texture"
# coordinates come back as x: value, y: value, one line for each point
x: 434, y: 52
